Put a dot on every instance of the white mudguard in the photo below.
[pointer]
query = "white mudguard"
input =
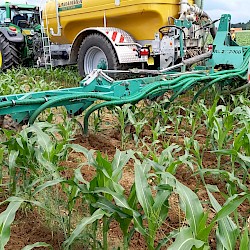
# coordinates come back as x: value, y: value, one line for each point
x: 123, y: 43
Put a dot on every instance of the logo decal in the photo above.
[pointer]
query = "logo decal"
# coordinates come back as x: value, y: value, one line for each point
x: 69, y: 5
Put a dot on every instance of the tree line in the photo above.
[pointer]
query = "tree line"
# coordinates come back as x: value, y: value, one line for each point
x: 244, y: 26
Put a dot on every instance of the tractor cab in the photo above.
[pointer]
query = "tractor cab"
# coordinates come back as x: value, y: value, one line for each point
x: 19, y: 16
x: 20, y: 32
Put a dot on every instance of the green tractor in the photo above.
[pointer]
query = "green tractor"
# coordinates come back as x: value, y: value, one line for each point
x: 20, y: 35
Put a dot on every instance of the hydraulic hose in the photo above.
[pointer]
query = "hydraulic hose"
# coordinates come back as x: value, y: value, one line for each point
x: 143, y: 94
x: 186, y: 83
x: 54, y: 101
x: 154, y: 85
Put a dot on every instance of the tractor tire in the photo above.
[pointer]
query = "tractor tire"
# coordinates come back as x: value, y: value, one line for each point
x: 8, y: 54
x: 97, y: 52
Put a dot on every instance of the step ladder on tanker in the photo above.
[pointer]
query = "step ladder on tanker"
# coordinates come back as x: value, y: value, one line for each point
x: 47, y: 61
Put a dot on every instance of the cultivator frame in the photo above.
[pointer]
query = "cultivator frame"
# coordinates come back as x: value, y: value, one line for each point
x: 99, y: 86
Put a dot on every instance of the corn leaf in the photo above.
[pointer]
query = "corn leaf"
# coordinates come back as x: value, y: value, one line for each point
x: 6, y: 219
x: 229, y: 208
x: 47, y: 184
x: 37, y: 244
x: 43, y: 140
x: 226, y: 233
x: 97, y: 215
x: 121, y: 201
x: 191, y: 206
x: 119, y: 161
x: 143, y: 191
x: 244, y: 243
x: 110, y: 207
x: 185, y: 241
x: 12, y: 159
x: 1, y: 155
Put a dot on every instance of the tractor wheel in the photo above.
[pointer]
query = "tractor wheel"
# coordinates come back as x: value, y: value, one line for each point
x: 8, y: 54
x: 96, y: 52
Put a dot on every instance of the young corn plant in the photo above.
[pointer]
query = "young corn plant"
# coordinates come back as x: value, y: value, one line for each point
x: 169, y: 159
x: 155, y: 207
x: 122, y: 115
x: 196, y: 234
x: 8, y: 215
x: 98, y: 192
x: 138, y: 125
x: 35, y: 151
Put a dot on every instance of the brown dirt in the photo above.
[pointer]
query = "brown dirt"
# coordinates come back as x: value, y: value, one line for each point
x: 30, y: 228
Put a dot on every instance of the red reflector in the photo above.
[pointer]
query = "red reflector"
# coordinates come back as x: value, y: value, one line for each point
x: 12, y: 28
x: 144, y: 52
x: 210, y: 47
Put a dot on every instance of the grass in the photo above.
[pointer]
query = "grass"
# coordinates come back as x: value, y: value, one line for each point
x: 243, y: 38
x: 33, y: 79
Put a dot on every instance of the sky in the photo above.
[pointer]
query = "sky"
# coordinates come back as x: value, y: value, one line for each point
x: 239, y: 9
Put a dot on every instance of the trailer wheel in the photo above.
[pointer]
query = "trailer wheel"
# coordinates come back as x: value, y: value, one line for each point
x: 96, y: 52
x: 8, y: 54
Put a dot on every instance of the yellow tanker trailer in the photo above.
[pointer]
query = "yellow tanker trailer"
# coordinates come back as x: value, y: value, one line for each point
x: 117, y: 34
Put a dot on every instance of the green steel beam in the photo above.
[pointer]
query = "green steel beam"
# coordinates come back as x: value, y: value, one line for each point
x: 98, y: 86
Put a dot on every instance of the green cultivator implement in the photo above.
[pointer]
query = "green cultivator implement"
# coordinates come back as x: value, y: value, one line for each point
x: 224, y: 65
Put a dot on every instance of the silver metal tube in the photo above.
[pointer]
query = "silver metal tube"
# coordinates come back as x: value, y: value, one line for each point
x: 128, y: 44
x: 59, y: 27
x: 184, y: 6
x: 196, y: 59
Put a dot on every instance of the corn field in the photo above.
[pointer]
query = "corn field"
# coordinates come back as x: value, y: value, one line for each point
x: 147, y: 176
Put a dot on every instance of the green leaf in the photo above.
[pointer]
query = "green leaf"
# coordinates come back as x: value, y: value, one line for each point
x: 37, y: 244
x: 119, y: 199
x: 47, y: 184
x: 143, y: 191
x: 43, y: 140
x: 213, y: 188
x: 244, y: 243
x: 226, y: 232
x: 132, y: 199
x: 6, y: 219
x: 191, y: 206
x: 108, y: 206
x: 12, y: 159
x: 97, y: 215
x: 122, y: 202
x: 79, y: 149
x: 229, y: 208
x: 119, y: 161
x: 1, y: 155
x: 225, y: 152
x: 244, y: 157
x: 185, y: 241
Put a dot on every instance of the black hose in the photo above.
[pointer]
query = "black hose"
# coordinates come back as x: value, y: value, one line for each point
x: 213, y: 29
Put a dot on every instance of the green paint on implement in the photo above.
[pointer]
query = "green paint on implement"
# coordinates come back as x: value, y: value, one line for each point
x: 99, y: 87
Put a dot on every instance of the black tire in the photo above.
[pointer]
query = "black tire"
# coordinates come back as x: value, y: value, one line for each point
x: 8, y: 54
x: 103, y: 44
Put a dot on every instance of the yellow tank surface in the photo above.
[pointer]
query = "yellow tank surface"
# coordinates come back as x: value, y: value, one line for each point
x: 140, y: 18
